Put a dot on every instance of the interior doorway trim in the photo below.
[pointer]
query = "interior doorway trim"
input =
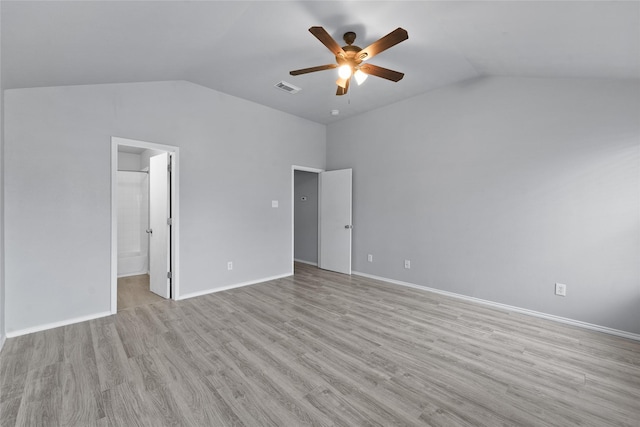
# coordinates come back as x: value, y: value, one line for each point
x: 295, y: 168
x: 175, y: 213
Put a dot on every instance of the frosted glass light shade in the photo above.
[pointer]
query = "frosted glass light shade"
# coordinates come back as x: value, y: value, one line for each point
x: 344, y: 71
x: 360, y: 77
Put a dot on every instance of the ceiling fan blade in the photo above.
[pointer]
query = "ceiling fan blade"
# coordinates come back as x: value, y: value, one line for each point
x: 393, y: 38
x: 313, y: 69
x: 324, y: 37
x: 342, y: 82
x: 385, y: 73
x: 343, y: 90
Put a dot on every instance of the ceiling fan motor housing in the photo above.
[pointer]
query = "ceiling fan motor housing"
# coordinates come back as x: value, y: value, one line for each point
x: 351, y: 51
x: 351, y: 57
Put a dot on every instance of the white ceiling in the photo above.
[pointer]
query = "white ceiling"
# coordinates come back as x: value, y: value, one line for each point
x: 244, y: 48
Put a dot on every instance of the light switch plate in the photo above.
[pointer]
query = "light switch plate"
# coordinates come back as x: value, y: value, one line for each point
x: 274, y: 203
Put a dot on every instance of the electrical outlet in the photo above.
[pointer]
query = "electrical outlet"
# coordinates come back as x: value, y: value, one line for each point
x: 407, y: 263
x: 370, y: 258
x: 561, y: 289
x: 230, y: 265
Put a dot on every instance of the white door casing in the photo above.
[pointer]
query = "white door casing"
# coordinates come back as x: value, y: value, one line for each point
x: 335, y: 192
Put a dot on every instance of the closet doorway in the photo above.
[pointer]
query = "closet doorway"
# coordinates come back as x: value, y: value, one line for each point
x: 144, y: 223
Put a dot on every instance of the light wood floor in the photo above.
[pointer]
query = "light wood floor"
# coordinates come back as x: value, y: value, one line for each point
x: 319, y: 349
x: 133, y: 291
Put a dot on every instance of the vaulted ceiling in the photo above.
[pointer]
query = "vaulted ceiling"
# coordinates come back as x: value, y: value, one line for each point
x: 244, y: 48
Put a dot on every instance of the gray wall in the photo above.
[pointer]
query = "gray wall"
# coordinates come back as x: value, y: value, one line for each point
x: 129, y: 161
x: 498, y: 188
x: 306, y: 217
x: 2, y: 291
x: 235, y: 158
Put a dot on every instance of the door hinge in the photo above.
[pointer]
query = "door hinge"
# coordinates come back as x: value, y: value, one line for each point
x: 169, y: 167
x: 169, y: 221
x: 168, y: 275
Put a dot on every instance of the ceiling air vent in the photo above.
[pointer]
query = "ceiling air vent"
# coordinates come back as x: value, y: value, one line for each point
x: 287, y: 87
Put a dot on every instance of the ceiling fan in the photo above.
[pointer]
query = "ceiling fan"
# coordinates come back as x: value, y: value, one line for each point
x: 349, y: 58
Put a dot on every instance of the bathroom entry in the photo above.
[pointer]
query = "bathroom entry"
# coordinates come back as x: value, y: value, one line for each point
x: 144, y: 223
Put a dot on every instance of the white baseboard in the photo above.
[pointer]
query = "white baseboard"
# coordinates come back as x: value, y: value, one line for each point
x: 108, y: 313
x: 52, y: 325
x: 578, y: 323
x: 306, y: 262
x: 141, y: 273
x: 237, y: 285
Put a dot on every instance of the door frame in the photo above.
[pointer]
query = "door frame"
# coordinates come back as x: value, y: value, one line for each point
x: 175, y: 225
x: 295, y: 168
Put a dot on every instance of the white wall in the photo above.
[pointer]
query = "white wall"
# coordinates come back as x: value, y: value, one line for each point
x: 235, y: 158
x: 133, y: 212
x: 498, y: 188
x: 133, y: 216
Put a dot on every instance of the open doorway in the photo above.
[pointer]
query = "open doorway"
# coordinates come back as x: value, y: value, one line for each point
x: 144, y: 223
x: 305, y: 217
x: 332, y: 191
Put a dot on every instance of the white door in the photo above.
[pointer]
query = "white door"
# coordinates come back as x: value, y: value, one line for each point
x: 159, y: 262
x: 334, y: 188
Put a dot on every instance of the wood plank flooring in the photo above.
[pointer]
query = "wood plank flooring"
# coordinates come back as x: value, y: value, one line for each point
x: 133, y: 291
x: 319, y: 349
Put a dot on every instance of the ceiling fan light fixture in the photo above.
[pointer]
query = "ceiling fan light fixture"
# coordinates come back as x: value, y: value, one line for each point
x: 343, y: 83
x: 350, y: 58
x: 344, y: 71
x: 360, y: 77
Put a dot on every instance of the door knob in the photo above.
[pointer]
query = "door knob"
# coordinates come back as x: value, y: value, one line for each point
x: 348, y: 226
x: 149, y: 231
